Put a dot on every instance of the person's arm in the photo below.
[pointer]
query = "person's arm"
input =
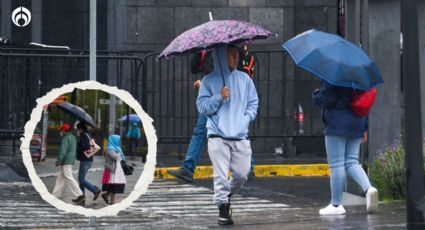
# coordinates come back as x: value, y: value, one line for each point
x: 197, y: 84
x: 86, y: 145
x: 85, y: 142
x: 112, y: 154
x: 252, y: 105
x: 326, y: 96
x: 138, y: 133
x: 365, y: 136
x: 206, y: 102
x: 87, y: 154
x: 62, y: 150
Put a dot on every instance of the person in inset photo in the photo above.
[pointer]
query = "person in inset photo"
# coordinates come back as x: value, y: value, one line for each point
x: 86, y: 160
x: 65, y: 160
x: 133, y: 135
x: 113, y: 179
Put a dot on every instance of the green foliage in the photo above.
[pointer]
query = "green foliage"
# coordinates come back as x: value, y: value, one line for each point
x: 389, y: 173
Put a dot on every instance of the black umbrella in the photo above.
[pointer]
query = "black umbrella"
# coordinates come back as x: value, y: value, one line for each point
x: 77, y: 112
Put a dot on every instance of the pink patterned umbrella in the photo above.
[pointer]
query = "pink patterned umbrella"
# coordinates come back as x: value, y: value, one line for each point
x: 212, y: 33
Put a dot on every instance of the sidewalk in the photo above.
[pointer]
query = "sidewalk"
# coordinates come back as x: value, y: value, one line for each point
x: 266, y: 165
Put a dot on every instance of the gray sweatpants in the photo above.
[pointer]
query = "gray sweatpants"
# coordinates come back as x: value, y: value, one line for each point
x: 225, y: 155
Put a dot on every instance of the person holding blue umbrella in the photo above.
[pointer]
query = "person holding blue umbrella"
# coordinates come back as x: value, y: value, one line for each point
x: 344, y: 132
x: 133, y: 136
x: 345, y: 71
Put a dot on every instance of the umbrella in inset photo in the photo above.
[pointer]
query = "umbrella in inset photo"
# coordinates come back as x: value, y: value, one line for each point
x: 334, y: 59
x: 77, y: 112
x: 133, y: 118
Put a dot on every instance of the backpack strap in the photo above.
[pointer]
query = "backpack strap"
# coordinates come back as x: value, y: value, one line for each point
x: 88, y: 135
x: 250, y: 67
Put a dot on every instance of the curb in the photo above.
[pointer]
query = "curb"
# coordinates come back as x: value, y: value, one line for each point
x: 204, y: 172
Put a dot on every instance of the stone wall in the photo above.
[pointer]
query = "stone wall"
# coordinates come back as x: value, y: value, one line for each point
x: 384, y: 49
x: 153, y: 24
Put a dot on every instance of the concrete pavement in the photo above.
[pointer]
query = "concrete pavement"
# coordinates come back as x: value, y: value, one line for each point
x: 264, y: 203
x: 47, y: 171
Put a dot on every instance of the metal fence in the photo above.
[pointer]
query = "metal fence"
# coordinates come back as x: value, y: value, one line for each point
x: 286, y: 112
x: 31, y: 73
x: 27, y: 74
x: 165, y: 90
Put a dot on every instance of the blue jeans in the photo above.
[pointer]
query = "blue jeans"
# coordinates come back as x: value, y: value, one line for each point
x: 343, y: 155
x: 251, y: 169
x: 199, y: 138
x: 82, y: 172
x: 132, y: 147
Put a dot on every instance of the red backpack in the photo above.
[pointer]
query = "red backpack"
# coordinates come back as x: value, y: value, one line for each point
x: 361, y: 102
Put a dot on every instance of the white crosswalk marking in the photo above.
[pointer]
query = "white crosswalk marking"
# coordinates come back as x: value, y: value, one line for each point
x: 169, y: 197
x: 22, y: 207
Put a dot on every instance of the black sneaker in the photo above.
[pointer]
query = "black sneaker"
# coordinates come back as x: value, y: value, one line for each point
x: 96, y: 195
x: 79, y: 199
x: 105, y: 198
x: 82, y: 203
x: 183, y: 174
x: 251, y: 176
x: 225, y: 217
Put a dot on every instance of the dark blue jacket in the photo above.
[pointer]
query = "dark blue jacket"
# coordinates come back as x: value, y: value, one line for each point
x: 83, y: 145
x: 339, y: 118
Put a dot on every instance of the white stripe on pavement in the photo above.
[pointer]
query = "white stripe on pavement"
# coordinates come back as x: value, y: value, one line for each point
x: 172, y: 198
x: 164, y: 199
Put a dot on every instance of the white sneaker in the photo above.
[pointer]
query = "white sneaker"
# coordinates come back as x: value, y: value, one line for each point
x: 332, y: 210
x: 372, y: 200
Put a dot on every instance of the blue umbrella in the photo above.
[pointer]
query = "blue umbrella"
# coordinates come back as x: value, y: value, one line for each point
x: 334, y: 59
x: 132, y: 117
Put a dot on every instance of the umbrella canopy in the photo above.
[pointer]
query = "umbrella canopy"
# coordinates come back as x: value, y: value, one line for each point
x: 211, y: 33
x: 76, y: 112
x: 134, y: 118
x: 334, y: 59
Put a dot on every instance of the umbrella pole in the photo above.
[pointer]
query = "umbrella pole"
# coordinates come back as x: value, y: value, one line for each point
x: 219, y: 62
x: 221, y: 69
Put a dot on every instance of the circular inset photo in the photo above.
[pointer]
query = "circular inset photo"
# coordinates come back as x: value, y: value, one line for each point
x: 89, y: 148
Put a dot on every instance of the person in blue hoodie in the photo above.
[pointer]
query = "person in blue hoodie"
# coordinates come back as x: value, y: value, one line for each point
x: 230, y: 107
x: 344, y: 132
x: 202, y: 63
